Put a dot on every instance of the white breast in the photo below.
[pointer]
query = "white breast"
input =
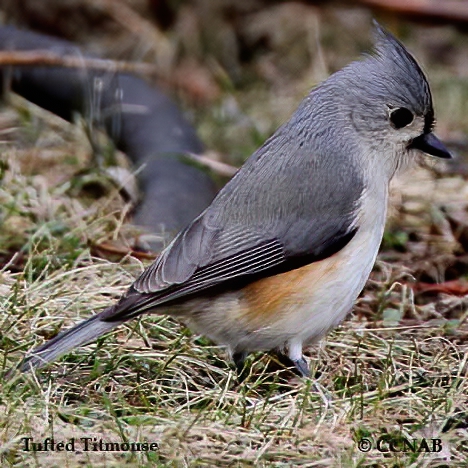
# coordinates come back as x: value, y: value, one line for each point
x: 333, y: 294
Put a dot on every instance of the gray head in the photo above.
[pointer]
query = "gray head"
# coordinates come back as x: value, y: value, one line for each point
x: 388, y: 101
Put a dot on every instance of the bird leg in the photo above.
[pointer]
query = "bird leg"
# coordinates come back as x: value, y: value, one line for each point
x: 298, y: 366
x: 302, y: 367
x: 294, y: 358
x: 239, y: 362
x: 297, y: 358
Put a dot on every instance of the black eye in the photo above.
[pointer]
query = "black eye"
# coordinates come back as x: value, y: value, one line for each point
x: 401, y: 117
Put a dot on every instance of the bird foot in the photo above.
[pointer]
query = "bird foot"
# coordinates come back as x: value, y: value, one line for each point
x: 298, y: 366
x: 239, y: 362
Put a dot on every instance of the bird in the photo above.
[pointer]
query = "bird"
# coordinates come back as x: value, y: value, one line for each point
x: 282, y: 253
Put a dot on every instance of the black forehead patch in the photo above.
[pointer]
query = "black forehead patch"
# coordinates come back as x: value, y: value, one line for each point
x: 429, y: 121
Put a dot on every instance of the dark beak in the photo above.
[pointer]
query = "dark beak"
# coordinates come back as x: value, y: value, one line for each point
x: 430, y: 144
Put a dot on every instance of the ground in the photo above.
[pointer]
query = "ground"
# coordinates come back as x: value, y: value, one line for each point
x: 395, y: 371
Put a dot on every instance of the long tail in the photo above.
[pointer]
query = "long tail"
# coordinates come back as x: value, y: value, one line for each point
x: 64, y: 342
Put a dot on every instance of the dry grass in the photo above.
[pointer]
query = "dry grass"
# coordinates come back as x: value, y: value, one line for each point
x: 397, y: 368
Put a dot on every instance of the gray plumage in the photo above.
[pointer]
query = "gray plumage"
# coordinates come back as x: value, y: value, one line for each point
x: 84, y: 332
x: 315, y: 192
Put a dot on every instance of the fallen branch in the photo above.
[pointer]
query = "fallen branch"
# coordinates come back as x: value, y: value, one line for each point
x: 46, y: 58
x: 446, y: 10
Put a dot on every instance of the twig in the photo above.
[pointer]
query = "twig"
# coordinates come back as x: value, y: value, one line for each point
x: 52, y: 59
x: 219, y: 167
x: 142, y: 28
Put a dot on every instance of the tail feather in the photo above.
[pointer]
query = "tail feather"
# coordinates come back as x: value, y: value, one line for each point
x: 66, y: 341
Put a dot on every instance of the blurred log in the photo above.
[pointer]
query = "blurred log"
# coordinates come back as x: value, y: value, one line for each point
x: 143, y: 122
x: 451, y: 11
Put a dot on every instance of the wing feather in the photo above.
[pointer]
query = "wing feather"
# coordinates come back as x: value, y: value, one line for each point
x: 248, y: 262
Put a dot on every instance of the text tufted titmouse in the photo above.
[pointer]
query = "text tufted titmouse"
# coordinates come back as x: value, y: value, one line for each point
x: 283, y: 251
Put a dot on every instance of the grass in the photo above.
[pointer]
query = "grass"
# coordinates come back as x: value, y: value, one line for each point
x: 396, y: 369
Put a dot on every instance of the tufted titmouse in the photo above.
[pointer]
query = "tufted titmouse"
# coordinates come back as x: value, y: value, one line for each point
x: 283, y: 251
